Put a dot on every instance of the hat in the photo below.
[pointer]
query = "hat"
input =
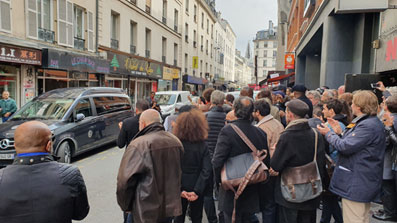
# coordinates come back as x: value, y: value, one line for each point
x: 279, y: 93
x: 299, y: 88
x: 298, y: 107
x: 280, y: 88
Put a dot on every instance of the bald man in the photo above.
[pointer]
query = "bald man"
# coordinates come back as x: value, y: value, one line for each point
x: 149, y: 178
x: 36, y: 188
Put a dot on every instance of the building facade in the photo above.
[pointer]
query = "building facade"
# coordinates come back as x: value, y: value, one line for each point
x: 332, y: 38
x: 242, y: 70
x: 283, y: 9
x: 265, y: 51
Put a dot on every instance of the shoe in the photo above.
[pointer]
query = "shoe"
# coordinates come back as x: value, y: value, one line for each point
x: 384, y: 217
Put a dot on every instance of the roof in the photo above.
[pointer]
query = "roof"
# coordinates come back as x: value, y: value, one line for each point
x: 266, y: 34
x: 76, y: 92
x: 172, y: 92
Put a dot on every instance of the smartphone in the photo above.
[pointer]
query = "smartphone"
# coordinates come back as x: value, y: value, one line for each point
x: 374, y: 85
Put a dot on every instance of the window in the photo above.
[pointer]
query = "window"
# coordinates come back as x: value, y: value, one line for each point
x: 202, y: 20
x: 212, y: 31
x: 148, y: 42
x: 195, y: 13
x: 275, y: 44
x: 165, y: 11
x: 274, y: 53
x: 176, y: 20
x: 164, y: 49
x: 44, y: 13
x: 186, y: 62
x: 274, y: 63
x: 133, y: 37
x: 5, y: 15
x: 265, y: 53
x: 105, y: 105
x: 265, y: 45
x: 78, y: 22
x: 83, y: 107
x: 175, y: 54
x: 208, y: 26
x: 264, y: 73
x: 148, y: 6
x: 187, y: 5
x: 38, y: 19
x: 65, y: 23
x: 90, y: 30
x: 114, y: 35
x: 265, y: 63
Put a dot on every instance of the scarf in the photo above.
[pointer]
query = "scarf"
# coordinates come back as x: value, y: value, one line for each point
x: 296, y: 122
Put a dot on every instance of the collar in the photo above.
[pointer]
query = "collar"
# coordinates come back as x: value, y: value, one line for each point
x: 33, y: 159
x: 359, y: 118
x: 32, y: 154
x: 265, y: 119
x: 217, y: 108
x: 154, y: 127
x: 297, y: 122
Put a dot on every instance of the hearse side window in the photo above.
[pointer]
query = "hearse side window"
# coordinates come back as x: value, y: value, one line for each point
x: 110, y: 104
x: 179, y: 99
x: 83, y: 107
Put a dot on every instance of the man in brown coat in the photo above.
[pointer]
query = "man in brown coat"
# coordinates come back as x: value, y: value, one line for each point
x: 267, y: 123
x: 149, y: 178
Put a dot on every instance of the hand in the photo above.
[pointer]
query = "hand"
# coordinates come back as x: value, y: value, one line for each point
x: 282, y: 114
x: 335, y: 126
x: 192, y: 196
x: 381, y: 86
x: 273, y: 173
x: 7, y: 114
x: 388, y: 120
x: 323, y: 129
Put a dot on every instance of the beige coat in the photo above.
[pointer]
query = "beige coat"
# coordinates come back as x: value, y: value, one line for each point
x: 273, y: 129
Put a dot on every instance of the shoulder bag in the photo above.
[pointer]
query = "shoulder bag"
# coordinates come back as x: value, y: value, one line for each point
x: 302, y: 183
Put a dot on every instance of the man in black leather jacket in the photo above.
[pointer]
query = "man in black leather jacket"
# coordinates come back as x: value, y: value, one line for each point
x: 36, y: 188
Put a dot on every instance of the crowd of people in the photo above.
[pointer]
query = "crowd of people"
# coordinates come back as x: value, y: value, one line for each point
x: 323, y: 148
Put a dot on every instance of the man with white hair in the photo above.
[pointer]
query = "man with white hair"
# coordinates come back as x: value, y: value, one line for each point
x: 314, y: 96
x: 149, y: 178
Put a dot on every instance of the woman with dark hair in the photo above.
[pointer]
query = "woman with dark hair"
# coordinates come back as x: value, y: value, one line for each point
x: 192, y: 129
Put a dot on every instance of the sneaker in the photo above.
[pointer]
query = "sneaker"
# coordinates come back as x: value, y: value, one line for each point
x: 384, y: 217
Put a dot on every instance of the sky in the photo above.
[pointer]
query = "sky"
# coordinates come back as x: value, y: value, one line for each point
x: 247, y: 17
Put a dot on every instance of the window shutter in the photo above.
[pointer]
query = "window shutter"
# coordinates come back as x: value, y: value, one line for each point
x: 90, y: 32
x: 5, y: 15
x: 31, y: 19
x: 65, y: 23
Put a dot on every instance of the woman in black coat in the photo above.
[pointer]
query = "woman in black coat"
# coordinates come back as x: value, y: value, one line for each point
x: 192, y: 129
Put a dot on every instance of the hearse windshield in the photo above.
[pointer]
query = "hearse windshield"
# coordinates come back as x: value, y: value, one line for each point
x: 49, y: 108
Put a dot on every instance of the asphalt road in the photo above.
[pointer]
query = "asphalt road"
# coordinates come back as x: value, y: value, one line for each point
x: 99, y: 168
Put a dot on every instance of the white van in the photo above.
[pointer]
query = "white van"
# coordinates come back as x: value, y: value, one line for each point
x: 169, y: 100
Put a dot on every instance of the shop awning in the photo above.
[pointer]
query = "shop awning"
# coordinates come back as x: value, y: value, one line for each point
x: 279, y: 78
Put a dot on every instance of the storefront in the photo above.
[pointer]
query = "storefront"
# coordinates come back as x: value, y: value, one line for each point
x: 194, y: 84
x: 170, y: 79
x: 62, y: 69
x: 17, y: 72
x: 139, y: 76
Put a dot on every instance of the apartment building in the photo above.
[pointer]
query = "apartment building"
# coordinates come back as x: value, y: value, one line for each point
x: 242, y: 70
x: 265, y: 51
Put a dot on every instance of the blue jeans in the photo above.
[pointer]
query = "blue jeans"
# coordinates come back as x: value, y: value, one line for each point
x: 4, y: 119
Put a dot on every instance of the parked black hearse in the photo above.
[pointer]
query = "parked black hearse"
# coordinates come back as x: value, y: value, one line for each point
x: 80, y: 119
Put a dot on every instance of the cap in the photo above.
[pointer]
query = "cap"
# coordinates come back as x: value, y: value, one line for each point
x: 299, y: 88
x: 298, y: 107
x: 279, y: 93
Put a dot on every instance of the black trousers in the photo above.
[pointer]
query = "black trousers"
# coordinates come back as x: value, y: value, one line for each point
x: 389, y: 197
x: 240, y: 217
x: 287, y: 215
x: 209, y: 203
x: 196, y: 211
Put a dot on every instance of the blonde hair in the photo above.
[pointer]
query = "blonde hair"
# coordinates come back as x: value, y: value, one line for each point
x: 366, y: 101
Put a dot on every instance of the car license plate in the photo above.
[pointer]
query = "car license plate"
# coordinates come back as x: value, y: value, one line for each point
x: 7, y: 156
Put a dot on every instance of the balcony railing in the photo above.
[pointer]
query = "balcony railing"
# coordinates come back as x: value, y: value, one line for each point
x: 46, y: 35
x: 79, y: 43
x: 114, y: 43
x: 132, y: 1
x: 194, y: 44
x: 132, y: 49
x: 147, y: 53
x: 186, y: 38
x: 164, y: 20
x: 163, y: 59
x: 147, y: 9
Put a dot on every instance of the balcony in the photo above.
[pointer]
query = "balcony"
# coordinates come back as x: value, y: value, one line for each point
x: 176, y: 28
x: 132, y: 49
x: 114, y: 44
x: 147, y: 9
x: 187, y: 38
x: 164, y: 20
x: 175, y: 63
x: 132, y: 1
x: 46, y: 35
x: 147, y: 53
x: 163, y: 59
x: 79, y: 43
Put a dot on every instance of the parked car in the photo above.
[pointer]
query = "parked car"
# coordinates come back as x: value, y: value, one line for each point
x: 169, y: 100
x: 80, y: 119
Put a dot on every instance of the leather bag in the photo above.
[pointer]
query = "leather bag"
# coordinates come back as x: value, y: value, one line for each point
x: 302, y: 183
x: 244, y: 169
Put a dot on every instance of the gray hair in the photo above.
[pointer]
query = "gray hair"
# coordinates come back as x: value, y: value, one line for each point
x: 330, y: 93
x: 315, y: 94
x: 217, y: 97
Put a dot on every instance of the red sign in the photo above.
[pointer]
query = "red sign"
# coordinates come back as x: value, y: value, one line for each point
x: 289, y: 61
x: 20, y: 55
x: 391, y: 50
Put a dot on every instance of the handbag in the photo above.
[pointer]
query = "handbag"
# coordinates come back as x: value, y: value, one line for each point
x: 302, y: 183
x: 244, y: 169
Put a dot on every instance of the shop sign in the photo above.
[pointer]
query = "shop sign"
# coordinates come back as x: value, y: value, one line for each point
x: 387, y: 53
x: 170, y: 73
x: 121, y: 64
x: 20, y: 55
x: 194, y: 80
x: 195, y: 62
x: 289, y: 61
x: 54, y: 59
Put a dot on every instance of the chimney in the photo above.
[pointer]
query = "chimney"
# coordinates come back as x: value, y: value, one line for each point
x: 270, y: 25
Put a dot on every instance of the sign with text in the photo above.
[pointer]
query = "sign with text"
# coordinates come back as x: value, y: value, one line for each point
x: 195, y: 63
x: 19, y: 55
x: 289, y: 61
x: 386, y: 55
x: 170, y: 73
